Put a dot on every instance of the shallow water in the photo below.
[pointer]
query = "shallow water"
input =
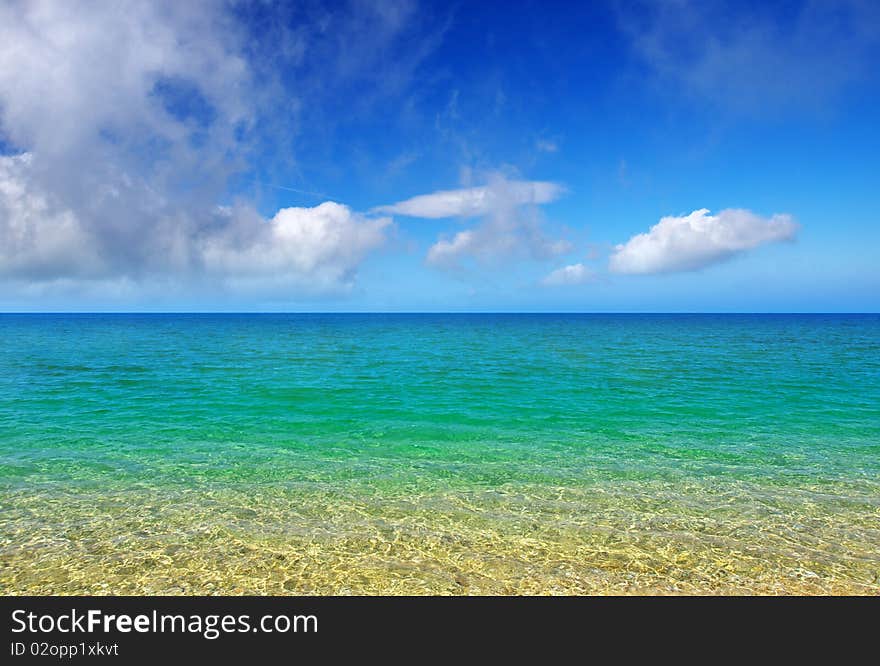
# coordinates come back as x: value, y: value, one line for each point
x: 447, y: 454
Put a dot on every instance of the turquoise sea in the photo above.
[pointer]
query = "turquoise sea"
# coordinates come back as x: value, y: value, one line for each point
x: 439, y: 453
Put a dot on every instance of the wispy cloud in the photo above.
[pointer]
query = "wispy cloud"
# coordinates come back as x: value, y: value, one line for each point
x: 476, y: 201
x: 694, y: 241
x: 569, y: 275
x: 756, y: 59
x: 511, y: 223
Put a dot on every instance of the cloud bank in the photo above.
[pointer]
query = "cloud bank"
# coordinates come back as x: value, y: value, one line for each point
x: 122, y: 130
x: 694, y: 241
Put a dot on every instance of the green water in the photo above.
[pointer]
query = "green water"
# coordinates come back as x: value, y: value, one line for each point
x: 477, y: 454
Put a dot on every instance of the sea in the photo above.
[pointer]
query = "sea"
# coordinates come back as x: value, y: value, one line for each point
x: 439, y: 454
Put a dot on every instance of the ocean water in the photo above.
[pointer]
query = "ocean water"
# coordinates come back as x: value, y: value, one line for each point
x: 446, y: 454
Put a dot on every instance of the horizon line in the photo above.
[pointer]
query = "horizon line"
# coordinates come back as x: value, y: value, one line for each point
x: 436, y: 312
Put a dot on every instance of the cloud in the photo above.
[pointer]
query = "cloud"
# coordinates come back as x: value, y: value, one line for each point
x: 320, y: 246
x: 760, y: 59
x: 569, y: 275
x: 476, y: 201
x: 130, y: 124
x: 500, y: 237
x: 313, y: 249
x: 698, y: 240
x: 80, y: 78
x: 36, y: 238
x: 546, y: 146
x: 511, y: 224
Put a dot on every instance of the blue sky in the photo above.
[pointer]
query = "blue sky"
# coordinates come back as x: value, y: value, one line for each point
x: 536, y: 156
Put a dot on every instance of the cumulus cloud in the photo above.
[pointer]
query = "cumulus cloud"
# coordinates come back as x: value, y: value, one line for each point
x: 313, y: 249
x: 320, y: 246
x: 476, y: 201
x: 569, y: 275
x: 128, y: 123
x: 691, y: 242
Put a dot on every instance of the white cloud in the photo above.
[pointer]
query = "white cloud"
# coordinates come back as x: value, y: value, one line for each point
x: 569, y: 275
x: 117, y: 180
x: 697, y: 240
x: 131, y: 120
x: 498, y: 237
x: 72, y: 74
x: 511, y: 224
x: 446, y: 252
x: 319, y: 247
x: 476, y: 201
x: 312, y: 249
x: 546, y: 146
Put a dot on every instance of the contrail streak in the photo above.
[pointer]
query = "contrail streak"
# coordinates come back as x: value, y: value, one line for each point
x: 293, y: 189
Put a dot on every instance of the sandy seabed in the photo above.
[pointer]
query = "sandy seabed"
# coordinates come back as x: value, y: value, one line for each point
x: 642, y: 539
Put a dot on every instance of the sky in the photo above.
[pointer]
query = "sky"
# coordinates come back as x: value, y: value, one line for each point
x: 408, y: 156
